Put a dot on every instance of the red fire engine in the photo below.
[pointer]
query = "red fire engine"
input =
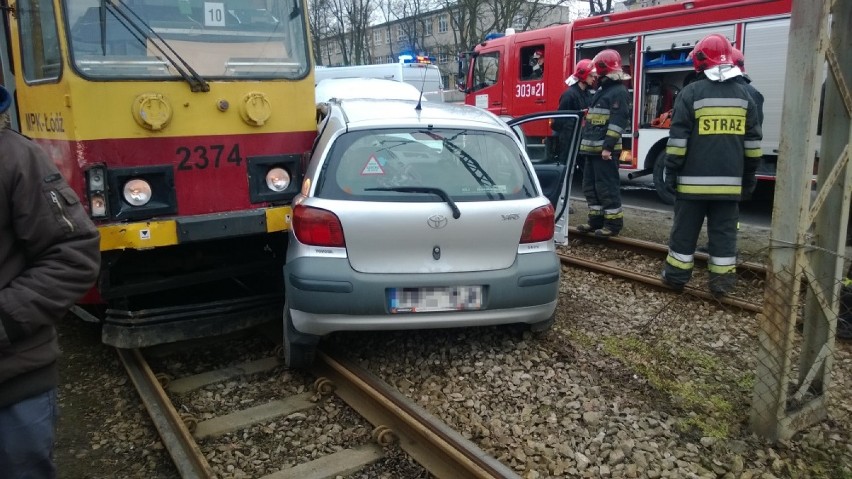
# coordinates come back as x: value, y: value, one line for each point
x: 654, y: 43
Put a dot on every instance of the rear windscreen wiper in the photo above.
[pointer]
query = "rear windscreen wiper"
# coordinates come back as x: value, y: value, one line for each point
x: 424, y: 189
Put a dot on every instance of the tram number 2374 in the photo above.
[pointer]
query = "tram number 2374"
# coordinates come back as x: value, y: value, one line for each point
x: 211, y: 156
x: 524, y: 90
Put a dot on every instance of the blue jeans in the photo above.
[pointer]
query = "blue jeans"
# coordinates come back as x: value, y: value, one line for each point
x: 26, y: 438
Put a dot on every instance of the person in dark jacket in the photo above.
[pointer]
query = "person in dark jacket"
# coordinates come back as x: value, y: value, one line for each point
x: 49, y: 257
x: 536, y: 65
x: 575, y: 98
x: 607, y: 119
x: 745, y: 81
x: 711, y: 158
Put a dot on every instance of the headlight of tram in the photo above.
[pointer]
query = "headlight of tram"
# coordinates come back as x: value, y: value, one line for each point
x: 137, y: 192
x: 277, y: 179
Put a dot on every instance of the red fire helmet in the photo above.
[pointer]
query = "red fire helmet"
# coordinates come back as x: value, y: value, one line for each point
x: 606, y: 62
x: 713, y: 50
x: 583, y: 69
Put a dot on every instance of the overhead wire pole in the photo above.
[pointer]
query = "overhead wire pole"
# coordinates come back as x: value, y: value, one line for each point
x: 781, y: 406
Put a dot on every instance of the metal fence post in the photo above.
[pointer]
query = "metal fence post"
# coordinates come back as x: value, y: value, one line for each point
x: 781, y: 406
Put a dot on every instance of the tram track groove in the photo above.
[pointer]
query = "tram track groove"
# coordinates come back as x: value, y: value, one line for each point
x: 655, y: 250
x: 397, y: 421
x: 651, y: 248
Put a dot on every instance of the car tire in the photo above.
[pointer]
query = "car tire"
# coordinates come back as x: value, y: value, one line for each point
x: 660, y: 179
x: 543, y: 326
x: 298, y: 349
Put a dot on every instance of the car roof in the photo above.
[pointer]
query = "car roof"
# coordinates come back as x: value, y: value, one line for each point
x: 378, y: 88
x: 371, y: 113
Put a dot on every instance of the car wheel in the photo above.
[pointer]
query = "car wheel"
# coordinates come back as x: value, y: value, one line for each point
x: 298, y: 349
x: 660, y: 179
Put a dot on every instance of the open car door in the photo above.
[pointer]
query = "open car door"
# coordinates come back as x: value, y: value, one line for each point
x: 551, y: 140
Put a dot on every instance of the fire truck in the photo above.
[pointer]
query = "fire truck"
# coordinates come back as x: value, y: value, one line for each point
x: 654, y: 44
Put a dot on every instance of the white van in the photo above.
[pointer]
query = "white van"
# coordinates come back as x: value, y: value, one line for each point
x: 425, y: 77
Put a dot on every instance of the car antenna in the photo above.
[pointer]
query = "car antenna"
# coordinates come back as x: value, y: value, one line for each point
x: 422, y: 86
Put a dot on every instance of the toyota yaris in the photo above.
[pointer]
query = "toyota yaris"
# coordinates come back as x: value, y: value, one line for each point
x: 419, y: 215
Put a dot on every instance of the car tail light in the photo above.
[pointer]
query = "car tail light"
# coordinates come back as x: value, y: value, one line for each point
x: 539, y: 225
x: 318, y: 227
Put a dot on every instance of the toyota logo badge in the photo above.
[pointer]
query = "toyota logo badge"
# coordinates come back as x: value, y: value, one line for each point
x: 437, y: 221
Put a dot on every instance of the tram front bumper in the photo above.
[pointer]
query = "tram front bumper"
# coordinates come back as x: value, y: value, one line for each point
x: 143, y: 235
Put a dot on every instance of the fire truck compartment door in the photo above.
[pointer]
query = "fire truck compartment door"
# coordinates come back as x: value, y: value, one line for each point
x: 683, y: 38
x: 553, y: 157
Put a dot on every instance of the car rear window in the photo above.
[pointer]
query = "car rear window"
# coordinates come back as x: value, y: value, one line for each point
x: 468, y: 165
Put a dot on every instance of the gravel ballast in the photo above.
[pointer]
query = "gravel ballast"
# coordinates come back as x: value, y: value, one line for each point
x: 631, y: 382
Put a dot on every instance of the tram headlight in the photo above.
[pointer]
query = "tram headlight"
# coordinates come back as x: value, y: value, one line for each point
x: 277, y: 179
x: 273, y: 178
x: 137, y: 192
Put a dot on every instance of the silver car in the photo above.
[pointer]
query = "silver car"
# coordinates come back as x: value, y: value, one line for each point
x: 423, y: 215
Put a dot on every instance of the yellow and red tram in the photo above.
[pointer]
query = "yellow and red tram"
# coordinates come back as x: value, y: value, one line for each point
x: 181, y: 124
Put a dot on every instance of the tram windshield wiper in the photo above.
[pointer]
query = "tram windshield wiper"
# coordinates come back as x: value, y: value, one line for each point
x: 423, y: 189
x: 140, y: 27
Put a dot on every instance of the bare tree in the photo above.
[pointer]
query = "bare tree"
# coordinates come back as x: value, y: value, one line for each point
x: 318, y: 21
x: 414, y: 20
x: 473, y: 19
x: 600, y: 7
x: 349, y: 26
x: 407, y: 24
x: 358, y: 14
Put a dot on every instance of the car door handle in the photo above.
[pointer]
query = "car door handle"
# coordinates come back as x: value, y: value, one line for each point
x: 496, y: 103
x: 541, y: 100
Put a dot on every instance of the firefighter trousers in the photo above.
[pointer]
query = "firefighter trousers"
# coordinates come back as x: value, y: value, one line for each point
x: 722, y: 217
x: 602, y: 189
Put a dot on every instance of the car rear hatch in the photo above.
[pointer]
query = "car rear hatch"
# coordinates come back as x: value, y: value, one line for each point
x: 435, y: 200
x: 424, y: 237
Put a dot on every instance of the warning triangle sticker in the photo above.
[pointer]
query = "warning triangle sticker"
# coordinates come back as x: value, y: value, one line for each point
x: 372, y: 167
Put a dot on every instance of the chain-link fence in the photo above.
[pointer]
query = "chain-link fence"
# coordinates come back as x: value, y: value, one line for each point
x: 805, y: 310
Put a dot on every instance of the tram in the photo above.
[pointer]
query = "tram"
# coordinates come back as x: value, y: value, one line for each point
x: 182, y: 125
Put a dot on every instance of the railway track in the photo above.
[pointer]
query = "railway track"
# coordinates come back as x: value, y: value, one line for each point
x: 655, y: 250
x: 397, y: 422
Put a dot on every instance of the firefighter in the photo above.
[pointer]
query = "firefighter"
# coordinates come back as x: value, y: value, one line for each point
x: 537, y: 64
x: 609, y: 113
x: 745, y: 81
x: 575, y: 98
x: 711, y: 158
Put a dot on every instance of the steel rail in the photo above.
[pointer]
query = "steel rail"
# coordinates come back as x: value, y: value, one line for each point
x: 436, y: 447
x: 185, y: 453
x: 661, y: 250
x: 656, y: 282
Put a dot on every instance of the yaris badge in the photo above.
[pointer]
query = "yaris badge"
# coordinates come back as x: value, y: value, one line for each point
x: 437, y: 221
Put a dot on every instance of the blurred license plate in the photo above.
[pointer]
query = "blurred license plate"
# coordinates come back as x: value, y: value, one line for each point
x: 422, y: 300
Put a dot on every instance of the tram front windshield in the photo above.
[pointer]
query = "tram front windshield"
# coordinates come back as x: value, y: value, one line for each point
x: 142, y: 39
